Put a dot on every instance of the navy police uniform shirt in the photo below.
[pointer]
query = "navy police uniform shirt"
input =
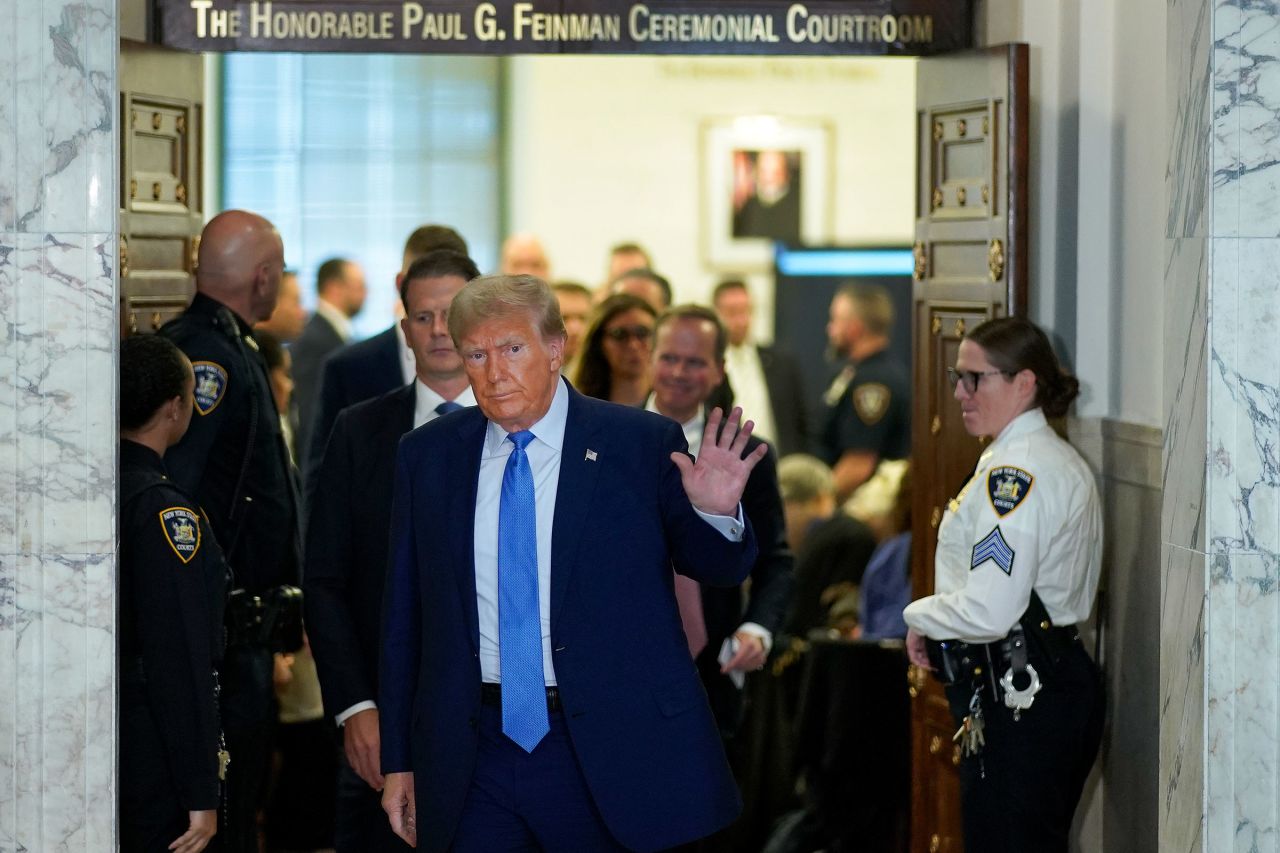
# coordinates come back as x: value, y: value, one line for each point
x: 233, y: 458
x: 172, y: 594
x: 868, y: 409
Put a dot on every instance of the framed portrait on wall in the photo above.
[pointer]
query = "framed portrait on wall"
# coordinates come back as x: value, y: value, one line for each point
x: 764, y: 180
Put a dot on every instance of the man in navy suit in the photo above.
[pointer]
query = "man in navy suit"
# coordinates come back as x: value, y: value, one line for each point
x: 347, y: 538
x: 727, y: 639
x: 375, y: 365
x: 536, y: 688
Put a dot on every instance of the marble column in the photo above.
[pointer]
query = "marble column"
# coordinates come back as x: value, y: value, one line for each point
x: 58, y: 202
x: 1220, y: 636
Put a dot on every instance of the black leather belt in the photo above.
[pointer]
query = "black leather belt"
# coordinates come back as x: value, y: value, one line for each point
x: 491, y: 694
x: 954, y: 661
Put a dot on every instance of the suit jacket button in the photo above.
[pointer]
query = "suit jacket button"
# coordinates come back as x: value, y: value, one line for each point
x: 472, y: 722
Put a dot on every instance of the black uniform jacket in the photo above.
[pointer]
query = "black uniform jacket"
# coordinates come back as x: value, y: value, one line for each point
x: 233, y: 458
x: 172, y: 592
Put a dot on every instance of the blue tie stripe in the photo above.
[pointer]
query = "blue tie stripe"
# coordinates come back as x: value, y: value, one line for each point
x: 993, y: 547
x: 448, y: 406
x: 524, y: 698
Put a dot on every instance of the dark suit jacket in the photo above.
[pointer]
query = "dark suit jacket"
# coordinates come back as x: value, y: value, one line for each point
x: 636, y: 711
x: 783, y: 379
x: 347, y: 546
x: 308, y: 352
x: 356, y: 372
x: 772, y: 585
x: 785, y: 382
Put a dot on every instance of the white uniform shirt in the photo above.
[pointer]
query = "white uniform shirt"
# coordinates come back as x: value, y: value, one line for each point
x: 1028, y: 519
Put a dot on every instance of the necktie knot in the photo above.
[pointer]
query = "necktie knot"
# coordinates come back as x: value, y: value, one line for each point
x: 448, y: 406
x: 521, y: 439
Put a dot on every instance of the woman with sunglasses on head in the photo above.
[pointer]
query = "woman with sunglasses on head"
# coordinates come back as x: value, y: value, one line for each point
x: 614, y: 364
x: 1016, y: 569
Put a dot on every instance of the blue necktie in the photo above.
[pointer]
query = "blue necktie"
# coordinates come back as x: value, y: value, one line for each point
x: 524, y: 696
x: 448, y: 406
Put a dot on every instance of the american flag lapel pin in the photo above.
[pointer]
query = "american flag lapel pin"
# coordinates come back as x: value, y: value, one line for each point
x: 591, y: 455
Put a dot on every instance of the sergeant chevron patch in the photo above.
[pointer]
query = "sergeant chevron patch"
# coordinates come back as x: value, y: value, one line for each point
x: 993, y: 548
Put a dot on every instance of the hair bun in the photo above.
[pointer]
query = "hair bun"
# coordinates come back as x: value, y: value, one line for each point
x: 1058, y: 397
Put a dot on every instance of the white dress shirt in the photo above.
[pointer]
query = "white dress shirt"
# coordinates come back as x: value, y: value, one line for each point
x: 750, y: 390
x: 425, y: 401
x: 341, y: 322
x: 544, y: 462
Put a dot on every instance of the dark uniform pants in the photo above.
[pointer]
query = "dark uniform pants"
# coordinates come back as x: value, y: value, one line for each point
x: 248, y: 720
x: 1020, y: 793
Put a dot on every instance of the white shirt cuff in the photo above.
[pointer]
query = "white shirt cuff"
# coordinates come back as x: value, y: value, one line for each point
x: 765, y: 635
x: 366, y: 705
x: 731, y: 528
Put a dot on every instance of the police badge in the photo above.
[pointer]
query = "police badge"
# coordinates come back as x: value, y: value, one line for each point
x: 871, y: 401
x: 1007, y: 487
x: 182, y: 530
x: 211, y: 385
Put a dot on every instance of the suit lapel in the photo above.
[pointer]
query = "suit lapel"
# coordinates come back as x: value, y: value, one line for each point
x: 578, y: 475
x: 464, y: 470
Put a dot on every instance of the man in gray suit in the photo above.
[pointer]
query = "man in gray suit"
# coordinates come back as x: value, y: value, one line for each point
x: 341, y: 290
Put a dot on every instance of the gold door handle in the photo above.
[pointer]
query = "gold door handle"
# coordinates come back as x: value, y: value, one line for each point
x: 935, y: 517
x: 935, y: 744
x: 935, y: 843
x: 916, y: 678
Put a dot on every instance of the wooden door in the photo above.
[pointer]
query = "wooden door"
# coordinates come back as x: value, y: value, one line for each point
x: 161, y: 209
x: 970, y: 265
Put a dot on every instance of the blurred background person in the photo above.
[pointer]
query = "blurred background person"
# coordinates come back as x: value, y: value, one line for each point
x: 173, y: 586
x: 289, y: 317
x: 575, y: 308
x: 523, y: 254
x: 614, y: 363
x: 867, y: 414
x: 279, y: 364
x: 624, y: 257
x: 646, y: 284
x: 340, y: 294
x: 767, y: 382
x: 886, y: 584
x: 832, y: 548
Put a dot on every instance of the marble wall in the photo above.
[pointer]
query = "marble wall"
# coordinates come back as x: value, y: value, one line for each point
x: 1220, y: 637
x: 58, y: 202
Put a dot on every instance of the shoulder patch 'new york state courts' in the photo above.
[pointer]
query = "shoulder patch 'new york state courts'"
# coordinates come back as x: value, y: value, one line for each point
x: 182, y: 530
x: 211, y: 385
x: 1008, y: 486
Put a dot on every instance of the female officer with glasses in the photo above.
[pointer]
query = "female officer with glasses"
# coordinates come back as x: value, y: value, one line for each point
x: 1016, y: 569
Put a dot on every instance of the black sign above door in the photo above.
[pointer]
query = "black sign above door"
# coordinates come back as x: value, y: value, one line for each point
x: 508, y: 27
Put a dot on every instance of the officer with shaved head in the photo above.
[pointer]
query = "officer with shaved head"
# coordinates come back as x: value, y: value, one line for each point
x: 234, y: 463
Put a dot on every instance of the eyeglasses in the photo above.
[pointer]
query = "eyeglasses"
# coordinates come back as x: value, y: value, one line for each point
x: 622, y: 334
x: 970, y: 378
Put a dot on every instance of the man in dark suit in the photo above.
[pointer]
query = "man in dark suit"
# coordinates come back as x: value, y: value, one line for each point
x: 340, y: 293
x: 767, y: 381
x: 375, y: 365
x: 347, y: 538
x: 536, y: 689
x: 726, y: 639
